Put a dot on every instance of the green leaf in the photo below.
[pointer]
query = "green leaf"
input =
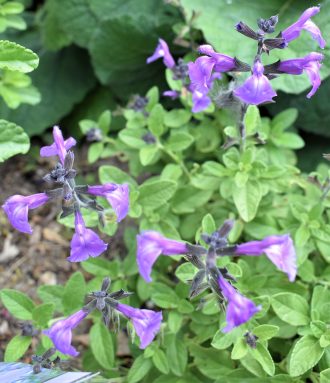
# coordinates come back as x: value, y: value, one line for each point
x: 284, y: 120
x: 174, y: 321
x: 65, y: 80
x: 247, y: 199
x: 320, y: 306
x: 13, y: 140
x: 156, y: 120
x: 291, y: 308
x: 139, y: 369
x: 17, y: 303
x: 160, y: 361
x: 240, y: 349
x: 17, y: 347
x: 74, y: 293
x: 133, y: 137
x: 208, y: 224
x: 108, y: 173
x: 186, y: 272
x: 52, y: 294
x: 325, y: 376
x: 177, y: 355
x: 15, y: 57
x: 155, y: 193
x: 221, y: 340
x: 265, y: 331
x: 262, y: 355
x: 149, y: 154
x: 102, y: 345
x: 188, y: 198
x: 252, y: 120
x: 42, y: 314
x: 179, y: 141
x: 305, y: 354
x: 177, y: 118
x: 164, y: 296
x: 101, y: 267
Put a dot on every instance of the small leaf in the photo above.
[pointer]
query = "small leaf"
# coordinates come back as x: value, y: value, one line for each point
x: 262, y: 355
x: 42, y: 314
x: 156, y: 120
x: 13, y: 140
x: 102, y: 345
x: 17, y: 347
x: 74, y: 293
x: 291, y: 308
x: 265, y: 331
x: 160, y: 361
x: 305, y: 354
x: 177, y: 355
x: 139, y: 369
x: 240, y: 349
x: 247, y: 199
x: 177, y: 117
x: 155, y: 193
x: 17, y: 303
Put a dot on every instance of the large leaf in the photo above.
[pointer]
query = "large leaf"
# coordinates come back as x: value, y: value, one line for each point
x: 61, y: 85
x: 217, y: 20
x: 13, y: 140
x: 17, y: 303
x: 247, y: 199
x: 102, y: 345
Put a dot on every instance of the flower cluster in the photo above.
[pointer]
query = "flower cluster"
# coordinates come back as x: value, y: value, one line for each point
x: 85, y: 242
x: 257, y: 88
x: 145, y: 322
x: 278, y: 248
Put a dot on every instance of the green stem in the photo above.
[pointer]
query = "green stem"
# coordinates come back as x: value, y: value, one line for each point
x: 176, y: 159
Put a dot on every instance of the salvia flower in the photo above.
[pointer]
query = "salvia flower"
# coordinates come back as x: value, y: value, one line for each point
x: 17, y: 209
x: 146, y: 322
x: 61, y: 332
x: 257, y: 88
x: 310, y: 64
x: 150, y: 245
x: 304, y: 23
x: 239, y: 308
x: 278, y: 248
x: 162, y: 51
x: 117, y: 196
x: 85, y: 242
x: 59, y: 147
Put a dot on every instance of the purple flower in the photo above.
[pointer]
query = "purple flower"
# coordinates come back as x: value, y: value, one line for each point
x: 278, y: 248
x: 85, y: 243
x: 162, y: 51
x: 59, y: 147
x: 239, y: 308
x: 222, y: 63
x: 200, y: 101
x: 116, y: 194
x: 17, y: 208
x: 150, y: 245
x: 256, y: 89
x: 311, y: 64
x: 146, y: 322
x: 173, y: 94
x: 304, y: 22
x: 61, y: 332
